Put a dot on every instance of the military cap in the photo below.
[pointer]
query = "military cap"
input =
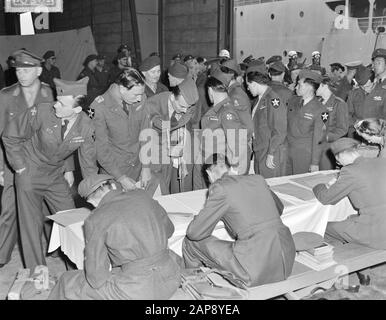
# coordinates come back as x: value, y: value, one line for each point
x: 274, y: 59
x: 308, y: 74
x: 90, y: 58
x: 26, y: 59
x: 338, y: 65
x: 344, y: 144
x: 71, y: 88
x: 224, y: 54
x: 224, y: 78
x: 315, y: 53
x: 189, y: 91
x: 353, y: 65
x: 292, y: 53
x: 307, y: 240
x: 257, y: 66
x: 92, y: 183
x: 49, y: 54
x: 178, y: 70
x: 188, y: 57
x: 379, y: 53
x: 248, y: 59
x: 149, y: 63
x: 278, y: 66
x: 232, y: 65
x: 363, y: 75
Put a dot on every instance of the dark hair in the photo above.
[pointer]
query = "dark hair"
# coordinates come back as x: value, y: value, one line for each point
x: 176, y: 91
x: 258, y: 77
x: 200, y: 59
x: 274, y: 72
x: 214, y: 160
x: 229, y: 71
x: 216, y: 85
x: 314, y: 84
x: 336, y: 68
x: 130, y: 78
x: 84, y: 102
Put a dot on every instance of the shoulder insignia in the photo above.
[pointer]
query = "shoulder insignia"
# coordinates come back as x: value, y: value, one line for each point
x: 275, y: 103
x: 229, y: 116
x: 325, y: 116
x: 34, y: 111
x: 236, y: 103
x: 91, y: 113
x: 99, y: 99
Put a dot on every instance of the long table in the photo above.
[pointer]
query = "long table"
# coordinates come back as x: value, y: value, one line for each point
x: 299, y: 215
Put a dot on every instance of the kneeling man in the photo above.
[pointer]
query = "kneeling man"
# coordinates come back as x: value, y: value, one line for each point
x: 126, y: 253
x: 363, y: 181
x: 263, y: 250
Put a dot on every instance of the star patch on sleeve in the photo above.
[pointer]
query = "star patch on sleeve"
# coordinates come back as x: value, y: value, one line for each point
x: 229, y: 116
x: 325, y: 116
x: 275, y: 103
x: 91, y: 113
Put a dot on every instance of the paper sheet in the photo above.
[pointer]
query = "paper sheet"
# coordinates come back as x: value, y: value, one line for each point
x: 294, y: 190
x: 68, y: 217
x: 314, y: 180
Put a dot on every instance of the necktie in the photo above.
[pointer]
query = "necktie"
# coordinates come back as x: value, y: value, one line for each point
x: 64, y: 128
x: 126, y: 109
x: 173, y: 120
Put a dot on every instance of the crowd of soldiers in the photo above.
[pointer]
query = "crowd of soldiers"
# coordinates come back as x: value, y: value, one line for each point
x: 148, y: 129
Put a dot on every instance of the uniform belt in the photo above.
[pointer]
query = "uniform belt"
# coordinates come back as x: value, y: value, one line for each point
x: 141, y: 264
x: 252, y: 230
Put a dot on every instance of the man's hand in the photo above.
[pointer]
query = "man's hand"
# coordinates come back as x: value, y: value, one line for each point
x: 20, y: 171
x: 69, y: 177
x: 314, y: 168
x: 2, y: 178
x: 270, y: 162
x: 127, y: 183
x: 145, y: 177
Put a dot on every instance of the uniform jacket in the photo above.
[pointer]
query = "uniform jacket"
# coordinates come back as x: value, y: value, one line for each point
x: 305, y: 126
x: 13, y: 103
x: 365, y: 184
x: 284, y: 93
x: 33, y: 138
x: 94, y: 87
x: 117, y: 133
x: 343, y: 89
x: 263, y: 245
x: 48, y: 76
x: 362, y: 105
x: 242, y: 105
x: 126, y: 230
x: 270, y: 121
x: 232, y: 140
x: 335, y: 118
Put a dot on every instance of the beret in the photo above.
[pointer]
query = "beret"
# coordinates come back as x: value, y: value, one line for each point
x: 363, y: 75
x: 278, y: 66
x: 307, y: 240
x: 189, y: 91
x: 232, y: 65
x: 379, y: 53
x: 71, y: 88
x: 178, y: 70
x: 344, y: 144
x: 90, y: 58
x: 91, y: 183
x: 26, y: 59
x: 257, y: 66
x: 274, y: 59
x: 49, y: 54
x: 149, y: 63
x: 224, y: 78
x: 308, y: 74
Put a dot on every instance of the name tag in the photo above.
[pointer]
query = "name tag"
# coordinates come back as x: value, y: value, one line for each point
x: 330, y: 109
x: 377, y: 98
x: 213, y: 118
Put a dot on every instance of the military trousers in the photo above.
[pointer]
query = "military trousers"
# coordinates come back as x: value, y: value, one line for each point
x: 34, y: 186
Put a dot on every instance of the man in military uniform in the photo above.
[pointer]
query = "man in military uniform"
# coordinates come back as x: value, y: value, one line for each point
x: 379, y: 61
x: 130, y: 232
x: 277, y: 72
x: 335, y: 119
x: 177, y: 73
x: 171, y: 114
x: 94, y: 87
x: 14, y: 100
x: 120, y: 66
x: 363, y: 181
x: 151, y: 69
x: 263, y: 250
x: 346, y: 84
x: 305, y: 126
x: 49, y: 70
x: 337, y: 72
x: 119, y: 118
x: 38, y: 142
x: 269, y: 116
x: 367, y: 101
x: 102, y: 72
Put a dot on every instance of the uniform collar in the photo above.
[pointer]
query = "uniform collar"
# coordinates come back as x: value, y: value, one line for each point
x: 218, y: 106
x: 234, y: 85
x: 109, y: 197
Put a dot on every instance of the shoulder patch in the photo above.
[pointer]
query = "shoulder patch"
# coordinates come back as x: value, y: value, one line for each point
x: 325, y: 116
x: 236, y: 103
x: 275, y: 103
x: 91, y: 113
x: 229, y: 116
x: 99, y: 99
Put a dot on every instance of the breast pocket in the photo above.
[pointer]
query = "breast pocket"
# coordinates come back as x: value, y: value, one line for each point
x: 306, y: 126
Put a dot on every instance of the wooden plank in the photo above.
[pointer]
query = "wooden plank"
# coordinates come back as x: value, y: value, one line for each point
x: 350, y: 258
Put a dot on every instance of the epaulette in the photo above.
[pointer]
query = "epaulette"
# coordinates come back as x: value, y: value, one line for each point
x: 340, y: 99
x: 9, y: 88
x: 99, y: 99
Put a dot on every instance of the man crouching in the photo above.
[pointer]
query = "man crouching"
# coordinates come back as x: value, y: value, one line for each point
x: 126, y: 253
x: 263, y: 250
